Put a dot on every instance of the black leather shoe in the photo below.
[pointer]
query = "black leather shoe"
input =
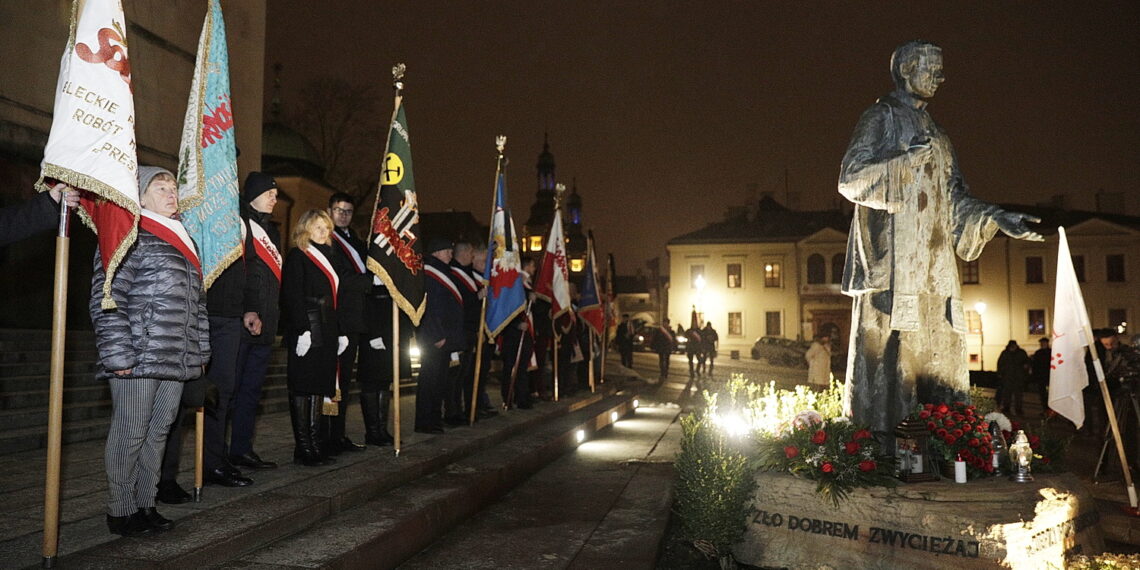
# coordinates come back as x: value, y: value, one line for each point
x: 171, y: 493
x: 432, y: 429
x: 226, y: 478
x: 156, y: 521
x: 252, y: 461
x: 130, y: 525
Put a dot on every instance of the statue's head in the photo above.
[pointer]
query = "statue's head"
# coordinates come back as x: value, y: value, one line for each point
x: 916, y: 67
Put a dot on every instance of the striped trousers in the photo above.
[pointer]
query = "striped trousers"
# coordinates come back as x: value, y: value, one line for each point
x: 143, y: 410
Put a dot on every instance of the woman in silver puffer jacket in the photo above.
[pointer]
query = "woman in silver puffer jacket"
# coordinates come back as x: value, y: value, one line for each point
x: 156, y: 339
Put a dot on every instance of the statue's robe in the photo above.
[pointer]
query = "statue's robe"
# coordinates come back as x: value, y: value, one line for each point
x: 911, y: 219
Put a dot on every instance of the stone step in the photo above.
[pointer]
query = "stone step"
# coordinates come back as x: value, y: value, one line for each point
x: 405, y: 502
x: 77, y: 428
x: 82, y: 379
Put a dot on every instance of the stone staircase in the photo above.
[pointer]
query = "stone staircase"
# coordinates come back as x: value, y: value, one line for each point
x: 25, y: 368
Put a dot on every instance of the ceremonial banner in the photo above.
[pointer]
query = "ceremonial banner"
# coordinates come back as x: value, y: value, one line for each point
x: 1071, y: 334
x: 611, y: 297
x: 554, y: 278
x: 506, y: 292
x: 207, y: 166
x: 92, y: 141
x: 590, y: 306
x: 394, y: 251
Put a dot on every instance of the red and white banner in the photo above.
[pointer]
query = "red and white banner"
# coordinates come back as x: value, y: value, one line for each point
x: 92, y: 141
x: 554, y: 277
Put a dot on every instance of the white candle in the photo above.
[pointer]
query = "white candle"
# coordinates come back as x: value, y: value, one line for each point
x: 916, y: 463
x: 959, y: 471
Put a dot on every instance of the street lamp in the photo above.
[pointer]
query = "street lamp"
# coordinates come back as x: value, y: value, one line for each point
x: 980, y: 307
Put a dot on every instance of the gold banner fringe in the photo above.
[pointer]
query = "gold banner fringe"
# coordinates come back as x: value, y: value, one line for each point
x: 109, y: 193
x: 414, y: 313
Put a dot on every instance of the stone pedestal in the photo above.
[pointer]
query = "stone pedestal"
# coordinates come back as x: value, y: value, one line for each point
x: 990, y: 523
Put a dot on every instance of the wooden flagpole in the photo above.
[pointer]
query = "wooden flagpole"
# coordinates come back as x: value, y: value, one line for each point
x: 500, y: 144
x: 554, y: 356
x: 396, y: 377
x: 55, y: 392
x: 199, y: 452
x: 590, y: 334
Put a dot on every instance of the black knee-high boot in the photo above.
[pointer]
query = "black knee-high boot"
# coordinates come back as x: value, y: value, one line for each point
x: 374, y: 407
x: 315, y: 424
x: 301, y: 411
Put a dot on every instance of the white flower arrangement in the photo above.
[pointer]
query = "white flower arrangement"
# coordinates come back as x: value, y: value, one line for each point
x: 1000, y: 419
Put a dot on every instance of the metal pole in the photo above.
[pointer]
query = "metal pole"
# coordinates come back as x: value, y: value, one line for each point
x: 55, y: 394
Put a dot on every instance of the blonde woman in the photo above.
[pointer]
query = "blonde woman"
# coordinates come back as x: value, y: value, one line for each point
x: 309, y: 284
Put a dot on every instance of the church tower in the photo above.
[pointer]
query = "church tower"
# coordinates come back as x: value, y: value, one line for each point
x: 537, y: 226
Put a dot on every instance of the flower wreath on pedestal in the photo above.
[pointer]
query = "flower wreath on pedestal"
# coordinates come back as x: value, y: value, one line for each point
x: 837, y: 455
x: 958, y: 433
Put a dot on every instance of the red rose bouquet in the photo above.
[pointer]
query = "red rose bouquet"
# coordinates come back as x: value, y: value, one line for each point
x: 957, y: 431
x: 835, y: 453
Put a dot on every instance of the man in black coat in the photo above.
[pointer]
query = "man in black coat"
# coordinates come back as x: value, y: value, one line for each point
x: 263, y: 261
x: 355, y: 282
x: 624, y: 340
x: 458, y: 399
x: 440, y: 335
x: 39, y: 214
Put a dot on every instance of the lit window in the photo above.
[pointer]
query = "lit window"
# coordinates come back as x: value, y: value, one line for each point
x: 536, y: 243
x: 696, y: 276
x: 973, y: 322
x: 772, y: 274
x: 735, y: 324
x: 1036, y: 318
x: 735, y: 275
x: 577, y: 264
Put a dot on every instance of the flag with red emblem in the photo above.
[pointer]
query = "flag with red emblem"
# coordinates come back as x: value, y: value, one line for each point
x: 506, y: 293
x: 1071, y: 335
x: 92, y: 141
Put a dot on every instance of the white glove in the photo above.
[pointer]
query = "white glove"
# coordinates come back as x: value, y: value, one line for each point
x: 377, y: 343
x: 376, y: 280
x: 303, y: 343
x: 341, y: 344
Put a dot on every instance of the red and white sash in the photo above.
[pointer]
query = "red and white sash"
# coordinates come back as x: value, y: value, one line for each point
x: 350, y: 251
x: 172, y: 232
x: 465, y: 279
x: 265, y: 250
x: 442, y: 278
x: 326, y: 267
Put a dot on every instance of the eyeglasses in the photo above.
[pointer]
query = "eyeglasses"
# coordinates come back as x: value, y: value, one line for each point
x: 342, y: 211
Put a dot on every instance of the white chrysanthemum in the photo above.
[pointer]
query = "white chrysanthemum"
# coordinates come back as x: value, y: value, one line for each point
x: 1001, y: 420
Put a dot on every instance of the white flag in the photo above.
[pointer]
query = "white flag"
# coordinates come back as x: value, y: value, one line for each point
x: 1071, y: 334
x: 554, y: 278
x: 92, y: 140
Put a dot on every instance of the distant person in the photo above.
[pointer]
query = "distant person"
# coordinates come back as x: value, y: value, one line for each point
x: 623, y: 338
x: 1041, y: 362
x: 39, y: 214
x: 694, y: 350
x: 663, y: 344
x: 818, y: 357
x: 711, y: 341
x: 440, y: 336
x: 1013, y: 369
x: 155, y: 339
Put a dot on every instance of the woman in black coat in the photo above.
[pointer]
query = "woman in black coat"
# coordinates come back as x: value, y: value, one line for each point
x: 309, y: 284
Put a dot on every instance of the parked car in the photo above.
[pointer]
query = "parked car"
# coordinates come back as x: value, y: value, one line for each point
x: 782, y: 352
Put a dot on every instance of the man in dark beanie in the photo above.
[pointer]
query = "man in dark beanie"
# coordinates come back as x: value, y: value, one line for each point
x: 262, y: 289
x: 440, y: 335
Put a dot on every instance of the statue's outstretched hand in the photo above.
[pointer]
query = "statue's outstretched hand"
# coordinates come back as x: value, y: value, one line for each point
x: 1013, y: 224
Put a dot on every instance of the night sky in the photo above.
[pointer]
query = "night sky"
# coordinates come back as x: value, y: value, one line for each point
x: 665, y: 112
